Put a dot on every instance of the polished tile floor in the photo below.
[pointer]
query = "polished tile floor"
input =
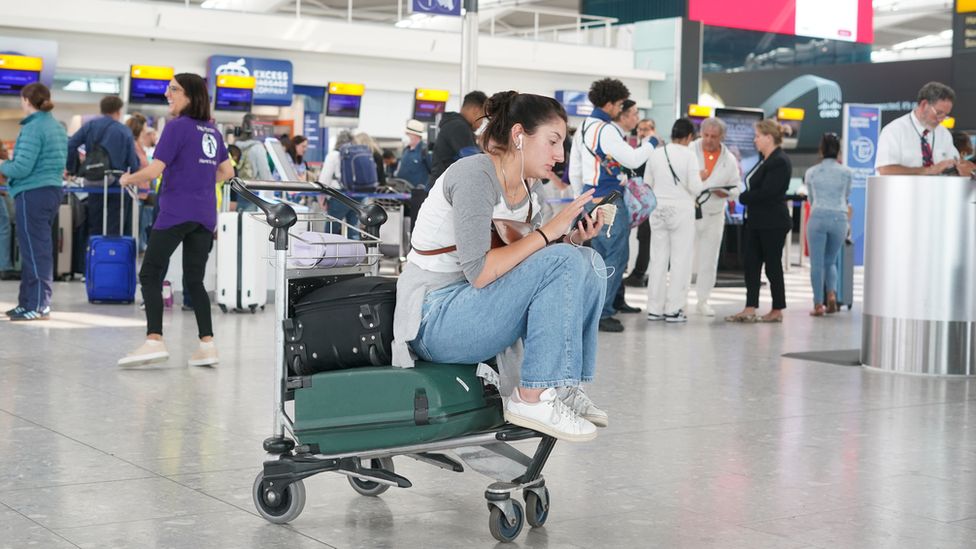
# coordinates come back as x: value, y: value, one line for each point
x: 715, y: 441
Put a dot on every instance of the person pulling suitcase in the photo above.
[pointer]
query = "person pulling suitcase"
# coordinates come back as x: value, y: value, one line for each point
x: 191, y: 157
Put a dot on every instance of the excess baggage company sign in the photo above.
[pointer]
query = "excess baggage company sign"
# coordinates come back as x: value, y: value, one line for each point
x: 273, y: 77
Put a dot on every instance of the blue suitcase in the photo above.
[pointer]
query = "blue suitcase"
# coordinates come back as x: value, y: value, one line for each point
x: 110, y: 270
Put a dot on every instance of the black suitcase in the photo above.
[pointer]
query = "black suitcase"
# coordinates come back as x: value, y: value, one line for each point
x: 348, y: 324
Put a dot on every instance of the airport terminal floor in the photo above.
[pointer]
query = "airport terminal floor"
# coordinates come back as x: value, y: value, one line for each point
x: 715, y: 440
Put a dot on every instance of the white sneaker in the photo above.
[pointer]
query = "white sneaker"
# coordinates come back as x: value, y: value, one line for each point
x: 206, y: 355
x: 653, y: 317
x: 549, y: 416
x: 704, y: 309
x: 676, y: 317
x: 577, y: 399
x: 149, y: 352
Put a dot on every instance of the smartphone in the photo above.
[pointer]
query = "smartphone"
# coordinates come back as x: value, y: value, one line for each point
x: 612, y: 197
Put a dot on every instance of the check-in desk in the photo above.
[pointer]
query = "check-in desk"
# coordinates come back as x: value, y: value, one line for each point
x: 920, y: 275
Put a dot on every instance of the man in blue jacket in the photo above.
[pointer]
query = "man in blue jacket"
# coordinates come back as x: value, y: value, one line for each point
x: 117, y: 140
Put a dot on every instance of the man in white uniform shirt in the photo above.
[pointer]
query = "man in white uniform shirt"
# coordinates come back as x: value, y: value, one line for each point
x: 721, y: 178
x: 917, y: 143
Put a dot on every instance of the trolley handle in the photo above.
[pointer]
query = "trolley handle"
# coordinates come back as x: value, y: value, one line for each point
x: 371, y: 215
x: 280, y: 216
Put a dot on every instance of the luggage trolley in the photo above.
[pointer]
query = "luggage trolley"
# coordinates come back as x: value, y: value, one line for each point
x: 279, y: 492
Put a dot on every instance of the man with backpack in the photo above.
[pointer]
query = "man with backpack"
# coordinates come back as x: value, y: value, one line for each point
x: 109, y: 145
x: 254, y: 159
x: 598, y: 155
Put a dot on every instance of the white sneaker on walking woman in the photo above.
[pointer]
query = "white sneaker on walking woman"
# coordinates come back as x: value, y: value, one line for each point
x: 549, y: 416
x: 206, y: 355
x: 153, y: 350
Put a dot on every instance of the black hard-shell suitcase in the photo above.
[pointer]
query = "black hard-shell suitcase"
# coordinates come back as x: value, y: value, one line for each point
x: 348, y: 324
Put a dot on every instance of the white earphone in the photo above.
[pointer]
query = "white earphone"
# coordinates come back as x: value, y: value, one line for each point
x: 519, y: 144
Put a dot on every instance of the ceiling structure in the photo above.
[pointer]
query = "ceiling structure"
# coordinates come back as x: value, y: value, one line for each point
x: 903, y: 29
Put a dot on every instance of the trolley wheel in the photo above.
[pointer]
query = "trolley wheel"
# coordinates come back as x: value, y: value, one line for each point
x: 850, y: 306
x: 499, y: 526
x: 223, y: 308
x: 283, y: 510
x: 535, y: 512
x: 368, y: 487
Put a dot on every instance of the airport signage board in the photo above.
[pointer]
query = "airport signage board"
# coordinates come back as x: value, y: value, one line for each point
x: 273, y: 84
x: 437, y: 7
x: 147, y: 84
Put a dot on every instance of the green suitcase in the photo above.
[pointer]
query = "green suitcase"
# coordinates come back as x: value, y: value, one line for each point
x: 344, y: 411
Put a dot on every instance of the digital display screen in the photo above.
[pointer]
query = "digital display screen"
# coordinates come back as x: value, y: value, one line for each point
x: 145, y: 91
x: 740, y: 135
x: 12, y: 81
x: 844, y: 20
x: 343, y: 106
x: 427, y: 111
x: 234, y: 99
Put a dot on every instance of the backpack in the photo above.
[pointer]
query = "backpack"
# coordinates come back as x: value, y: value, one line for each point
x: 357, y: 169
x: 97, y: 160
x: 244, y: 169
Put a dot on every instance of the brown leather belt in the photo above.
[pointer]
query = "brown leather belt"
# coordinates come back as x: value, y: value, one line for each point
x: 438, y: 251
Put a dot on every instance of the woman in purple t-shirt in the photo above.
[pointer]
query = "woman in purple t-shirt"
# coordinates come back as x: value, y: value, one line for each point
x: 191, y: 157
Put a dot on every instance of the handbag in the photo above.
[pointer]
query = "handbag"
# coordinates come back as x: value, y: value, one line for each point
x: 503, y: 231
x: 640, y: 200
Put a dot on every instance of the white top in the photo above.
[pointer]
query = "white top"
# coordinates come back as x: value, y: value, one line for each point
x: 724, y: 174
x: 436, y: 220
x: 331, y: 167
x: 584, y: 167
x: 901, y: 144
x: 658, y: 175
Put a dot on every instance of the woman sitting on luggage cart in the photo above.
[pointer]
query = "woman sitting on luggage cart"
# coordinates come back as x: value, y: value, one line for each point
x: 191, y: 157
x: 461, y: 301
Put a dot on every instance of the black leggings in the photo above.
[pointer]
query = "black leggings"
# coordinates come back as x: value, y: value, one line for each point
x: 765, y: 246
x: 197, y: 242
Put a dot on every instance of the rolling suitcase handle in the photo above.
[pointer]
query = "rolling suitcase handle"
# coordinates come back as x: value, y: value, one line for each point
x: 122, y: 191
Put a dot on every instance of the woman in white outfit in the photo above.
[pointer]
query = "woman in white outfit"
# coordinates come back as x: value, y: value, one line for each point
x: 721, y: 179
x: 673, y: 173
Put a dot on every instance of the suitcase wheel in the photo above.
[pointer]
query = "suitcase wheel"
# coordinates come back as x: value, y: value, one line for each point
x: 279, y: 508
x: 223, y: 308
x: 368, y: 487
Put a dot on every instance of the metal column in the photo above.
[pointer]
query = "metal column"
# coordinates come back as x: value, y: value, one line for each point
x: 469, y: 47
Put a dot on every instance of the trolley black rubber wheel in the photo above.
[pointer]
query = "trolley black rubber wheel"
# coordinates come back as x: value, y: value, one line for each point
x: 500, y: 528
x: 368, y: 487
x: 535, y: 512
x: 285, y: 509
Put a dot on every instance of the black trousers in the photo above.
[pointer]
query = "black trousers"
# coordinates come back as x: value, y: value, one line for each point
x: 197, y: 242
x: 643, y: 248
x: 765, y: 246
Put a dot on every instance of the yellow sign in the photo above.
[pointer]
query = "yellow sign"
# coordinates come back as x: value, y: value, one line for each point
x: 965, y: 6
x: 700, y: 111
x: 789, y: 113
x: 433, y: 95
x: 234, y: 81
x: 151, y: 73
x: 343, y: 88
x: 21, y: 63
x: 949, y: 122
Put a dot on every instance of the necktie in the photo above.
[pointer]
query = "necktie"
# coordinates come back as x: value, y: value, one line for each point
x: 926, y: 151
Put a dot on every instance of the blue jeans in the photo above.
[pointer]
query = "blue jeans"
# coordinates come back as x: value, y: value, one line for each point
x: 36, y: 212
x: 615, y: 252
x: 826, y: 231
x: 551, y: 301
x: 5, y: 241
x: 340, y: 211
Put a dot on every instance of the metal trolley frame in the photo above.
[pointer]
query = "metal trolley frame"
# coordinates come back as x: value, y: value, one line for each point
x: 279, y: 492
